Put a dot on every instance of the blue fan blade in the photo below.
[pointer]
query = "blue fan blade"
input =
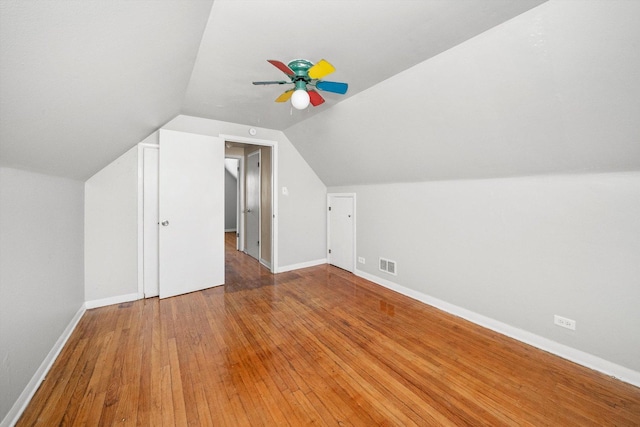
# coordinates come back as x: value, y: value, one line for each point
x: 334, y: 87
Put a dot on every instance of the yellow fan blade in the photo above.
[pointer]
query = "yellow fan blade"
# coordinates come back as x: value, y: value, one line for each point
x: 285, y: 96
x: 321, y: 69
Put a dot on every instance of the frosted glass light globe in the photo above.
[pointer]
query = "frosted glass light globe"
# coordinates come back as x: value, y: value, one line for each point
x: 300, y: 99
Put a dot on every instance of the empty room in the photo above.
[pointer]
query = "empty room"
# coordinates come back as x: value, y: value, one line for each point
x: 319, y: 212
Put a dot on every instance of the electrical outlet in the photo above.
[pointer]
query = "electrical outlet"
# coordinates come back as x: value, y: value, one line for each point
x: 361, y: 260
x: 564, y: 322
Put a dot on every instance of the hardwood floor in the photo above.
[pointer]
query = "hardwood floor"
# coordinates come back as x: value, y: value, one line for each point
x: 314, y: 346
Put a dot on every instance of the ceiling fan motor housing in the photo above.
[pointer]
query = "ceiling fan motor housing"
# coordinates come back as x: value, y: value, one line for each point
x: 300, y: 67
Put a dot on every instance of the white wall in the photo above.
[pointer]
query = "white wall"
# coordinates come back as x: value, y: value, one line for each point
x: 518, y: 250
x: 41, y: 272
x: 111, y: 232
x: 301, y: 216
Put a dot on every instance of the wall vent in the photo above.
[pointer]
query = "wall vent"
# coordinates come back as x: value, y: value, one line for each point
x: 387, y: 266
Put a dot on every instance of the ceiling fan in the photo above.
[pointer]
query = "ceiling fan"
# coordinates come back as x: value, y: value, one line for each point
x: 302, y: 74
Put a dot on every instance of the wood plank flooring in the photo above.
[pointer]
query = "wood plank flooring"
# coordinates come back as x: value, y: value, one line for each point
x: 317, y: 346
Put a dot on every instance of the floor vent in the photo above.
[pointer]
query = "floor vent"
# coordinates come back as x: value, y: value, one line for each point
x: 387, y: 266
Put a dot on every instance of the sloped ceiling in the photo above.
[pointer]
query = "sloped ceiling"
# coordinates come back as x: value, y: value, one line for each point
x: 367, y: 41
x: 83, y: 81
x: 554, y: 90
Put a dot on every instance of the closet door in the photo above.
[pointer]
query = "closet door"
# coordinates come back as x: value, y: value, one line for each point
x: 341, y: 242
x: 191, y: 200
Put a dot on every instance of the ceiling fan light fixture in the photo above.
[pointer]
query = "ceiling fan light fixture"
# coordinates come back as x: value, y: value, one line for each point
x: 300, y: 99
x: 302, y: 73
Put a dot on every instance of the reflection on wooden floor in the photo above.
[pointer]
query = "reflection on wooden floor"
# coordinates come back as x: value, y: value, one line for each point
x: 315, y: 346
x: 241, y: 271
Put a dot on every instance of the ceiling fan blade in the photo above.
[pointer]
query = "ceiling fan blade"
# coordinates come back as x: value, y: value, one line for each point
x: 285, y: 96
x: 271, y: 82
x: 282, y: 67
x: 314, y: 98
x: 335, y: 87
x: 321, y: 69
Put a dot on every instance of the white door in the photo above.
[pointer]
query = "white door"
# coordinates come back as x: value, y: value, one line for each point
x: 253, y: 205
x: 150, y: 221
x: 341, y: 241
x: 191, y: 199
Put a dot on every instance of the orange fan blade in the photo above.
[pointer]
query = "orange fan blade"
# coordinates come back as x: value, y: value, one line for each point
x: 315, y: 98
x: 321, y: 69
x: 285, y: 96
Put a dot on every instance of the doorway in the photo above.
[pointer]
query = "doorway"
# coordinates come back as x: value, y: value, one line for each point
x: 233, y: 202
x: 257, y: 201
x: 148, y: 230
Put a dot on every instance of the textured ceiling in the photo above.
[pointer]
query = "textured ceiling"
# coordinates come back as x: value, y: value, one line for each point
x: 367, y: 41
x: 83, y: 81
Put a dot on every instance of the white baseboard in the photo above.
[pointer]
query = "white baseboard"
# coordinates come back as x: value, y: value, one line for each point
x: 230, y: 230
x: 578, y: 356
x: 111, y: 300
x: 265, y: 263
x: 20, y: 405
x: 292, y: 267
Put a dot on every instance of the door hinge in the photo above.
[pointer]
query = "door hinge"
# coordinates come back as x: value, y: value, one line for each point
x: 258, y: 164
x: 329, y: 207
x: 329, y: 250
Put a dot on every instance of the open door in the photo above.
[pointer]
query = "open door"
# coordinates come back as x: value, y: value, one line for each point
x: 252, y: 214
x: 191, y: 215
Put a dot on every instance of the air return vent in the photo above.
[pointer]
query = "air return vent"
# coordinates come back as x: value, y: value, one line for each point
x: 387, y: 266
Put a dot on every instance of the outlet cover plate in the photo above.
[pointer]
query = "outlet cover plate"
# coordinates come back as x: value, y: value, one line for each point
x: 564, y: 322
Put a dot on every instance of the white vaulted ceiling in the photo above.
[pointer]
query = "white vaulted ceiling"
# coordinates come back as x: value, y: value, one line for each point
x: 83, y: 81
x: 367, y: 41
x: 471, y: 88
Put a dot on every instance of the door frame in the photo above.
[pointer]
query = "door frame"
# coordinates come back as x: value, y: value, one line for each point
x: 353, y: 198
x: 142, y: 146
x: 274, y: 186
x: 152, y: 142
x: 240, y: 201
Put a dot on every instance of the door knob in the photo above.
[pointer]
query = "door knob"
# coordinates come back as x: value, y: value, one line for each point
x: 165, y: 223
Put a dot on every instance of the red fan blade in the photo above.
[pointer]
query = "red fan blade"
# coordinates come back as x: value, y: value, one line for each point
x: 315, y: 98
x: 282, y: 67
